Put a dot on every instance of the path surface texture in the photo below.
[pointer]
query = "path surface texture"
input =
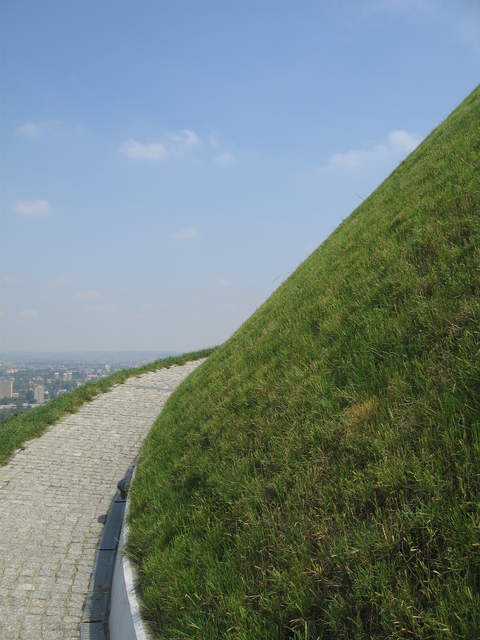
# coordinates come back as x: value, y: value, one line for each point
x: 53, y: 495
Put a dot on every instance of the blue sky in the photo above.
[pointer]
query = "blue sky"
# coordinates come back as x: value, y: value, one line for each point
x: 165, y: 166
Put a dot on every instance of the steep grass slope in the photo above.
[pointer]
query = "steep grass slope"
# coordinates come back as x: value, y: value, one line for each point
x: 319, y: 475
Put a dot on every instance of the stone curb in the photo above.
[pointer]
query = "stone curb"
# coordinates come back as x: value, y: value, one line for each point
x: 94, y: 625
x: 125, y: 620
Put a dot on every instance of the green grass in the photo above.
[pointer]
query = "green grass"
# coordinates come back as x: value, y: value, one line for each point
x: 17, y: 429
x: 319, y: 476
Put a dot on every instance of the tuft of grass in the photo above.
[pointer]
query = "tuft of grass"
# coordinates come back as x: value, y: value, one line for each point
x: 18, y: 429
x: 319, y: 476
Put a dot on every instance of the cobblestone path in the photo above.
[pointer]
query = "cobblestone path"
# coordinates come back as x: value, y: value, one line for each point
x: 52, y: 496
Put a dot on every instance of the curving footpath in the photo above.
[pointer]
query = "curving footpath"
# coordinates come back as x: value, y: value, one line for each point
x: 53, y: 496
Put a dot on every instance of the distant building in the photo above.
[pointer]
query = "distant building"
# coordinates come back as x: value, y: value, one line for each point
x: 67, y: 376
x: 6, y: 389
x: 39, y: 394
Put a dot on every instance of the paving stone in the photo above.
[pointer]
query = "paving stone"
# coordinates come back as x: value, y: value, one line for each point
x: 52, y: 494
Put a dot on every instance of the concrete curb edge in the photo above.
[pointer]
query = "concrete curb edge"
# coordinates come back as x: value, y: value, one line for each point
x: 125, y: 619
x: 95, y: 619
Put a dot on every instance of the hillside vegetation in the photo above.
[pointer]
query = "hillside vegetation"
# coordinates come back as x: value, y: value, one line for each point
x: 319, y: 475
x: 18, y: 429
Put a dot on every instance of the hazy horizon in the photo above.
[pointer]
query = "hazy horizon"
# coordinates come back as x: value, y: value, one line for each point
x: 85, y: 355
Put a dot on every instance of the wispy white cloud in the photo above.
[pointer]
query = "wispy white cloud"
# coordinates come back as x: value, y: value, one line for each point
x: 9, y: 279
x: 93, y: 302
x: 225, y: 159
x: 28, y: 314
x: 174, y: 144
x: 145, y: 150
x: 37, y: 129
x: 184, y: 137
x: 103, y: 307
x: 401, y: 140
x: 89, y: 296
x: 397, y: 145
x: 187, y: 233
x: 29, y: 129
x: 32, y: 208
x: 177, y: 145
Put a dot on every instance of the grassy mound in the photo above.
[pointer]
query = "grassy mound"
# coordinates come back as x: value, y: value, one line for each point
x: 18, y: 429
x: 319, y: 475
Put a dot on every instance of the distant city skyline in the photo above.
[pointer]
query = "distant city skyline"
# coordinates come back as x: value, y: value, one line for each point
x: 28, y: 379
x: 86, y: 355
x: 165, y: 167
